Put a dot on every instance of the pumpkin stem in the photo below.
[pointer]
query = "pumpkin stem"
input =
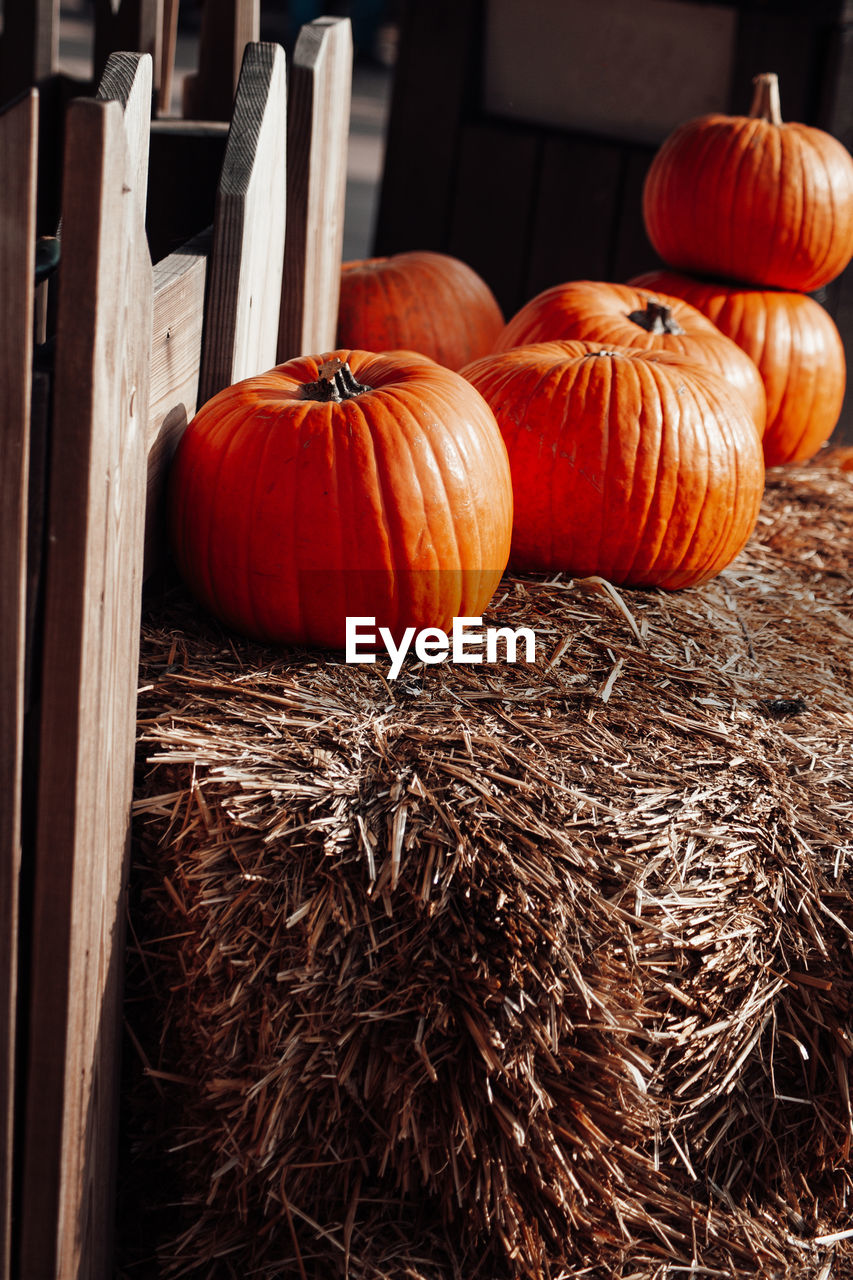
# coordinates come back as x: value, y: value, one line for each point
x: 336, y: 382
x: 766, y: 104
x: 657, y: 318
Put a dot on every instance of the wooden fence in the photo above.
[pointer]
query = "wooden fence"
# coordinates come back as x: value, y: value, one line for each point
x: 102, y: 364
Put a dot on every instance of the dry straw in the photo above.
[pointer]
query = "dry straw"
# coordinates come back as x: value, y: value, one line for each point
x: 509, y: 971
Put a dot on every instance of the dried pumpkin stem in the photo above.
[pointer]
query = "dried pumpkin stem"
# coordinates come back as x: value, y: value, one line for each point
x: 336, y: 382
x: 656, y: 318
x: 766, y: 104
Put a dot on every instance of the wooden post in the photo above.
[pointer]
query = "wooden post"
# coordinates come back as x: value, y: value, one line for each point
x: 167, y: 55
x: 227, y: 26
x: 18, y: 139
x: 318, y: 133
x: 29, y: 44
x: 90, y: 657
x: 244, y: 275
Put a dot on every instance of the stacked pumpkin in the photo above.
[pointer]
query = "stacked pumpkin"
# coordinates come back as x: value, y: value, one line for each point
x: 765, y: 209
x: 633, y: 428
x: 623, y: 424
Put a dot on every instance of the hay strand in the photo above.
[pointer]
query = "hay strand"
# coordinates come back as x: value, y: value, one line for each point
x: 540, y: 970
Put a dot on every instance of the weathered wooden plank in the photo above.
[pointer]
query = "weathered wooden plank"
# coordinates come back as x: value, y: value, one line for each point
x: 124, y: 82
x: 317, y: 136
x: 18, y: 159
x: 227, y: 26
x: 179, y: 284
x: 247, y: 256
x: 89, y: 672
x: 29, y: 45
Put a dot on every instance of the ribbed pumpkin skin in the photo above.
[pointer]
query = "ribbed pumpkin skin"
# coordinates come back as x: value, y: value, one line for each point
x: 419, y: 301
x: 748, y: 200
x: 593, y: 311
x: 287, y: 515
x: 796, y: 347
x: 637, y: 466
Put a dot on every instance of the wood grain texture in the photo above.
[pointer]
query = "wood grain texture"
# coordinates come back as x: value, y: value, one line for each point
x: 89, y: 673
x: 18, y: 140
x: 317, y: 137
x: 29, y: 45
x: 125, y: 81
x: 179, y: 286
x: 227, y: 26
x: 135, y: 25
x: 247, y: 256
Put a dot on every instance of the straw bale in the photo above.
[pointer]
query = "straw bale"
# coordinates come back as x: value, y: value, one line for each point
x: 515, y: 970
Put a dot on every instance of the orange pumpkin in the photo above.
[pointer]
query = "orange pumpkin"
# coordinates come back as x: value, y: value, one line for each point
x: 639, y: 466
x: 619, y: 315
x: 342, y: 485
x: 752, y: 199
x: 419, y: 301
x: 796, y: 347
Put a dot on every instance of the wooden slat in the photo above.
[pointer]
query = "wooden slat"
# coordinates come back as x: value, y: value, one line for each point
x: 18, y: 138
x: 29, y: 45
x: 122, y: 25
x: 179, y: 285
x: 317, y: 137
x: 579, y: 188
x: 167, y: 55
x: 227, y: 26
x: 90, y: 656
x: 244, y: 288
x: 493, y: 206
x: 631, y: 251
x: 436, y: 85
x: 125, y: 82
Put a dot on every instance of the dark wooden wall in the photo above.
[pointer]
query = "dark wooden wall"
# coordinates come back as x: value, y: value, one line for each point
x: 529, y: 205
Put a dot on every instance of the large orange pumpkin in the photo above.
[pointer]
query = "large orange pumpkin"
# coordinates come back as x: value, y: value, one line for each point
x: 639, y: 466
x: 342, y: 485
x: 796, y: 347
x: 419, y: 301
x: 619, y: 315
x: 752, y: 199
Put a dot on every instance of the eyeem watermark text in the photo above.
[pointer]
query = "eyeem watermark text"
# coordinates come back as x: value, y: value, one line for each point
x: 469, y: 641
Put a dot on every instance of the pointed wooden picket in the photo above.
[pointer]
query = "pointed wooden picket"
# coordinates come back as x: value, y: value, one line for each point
x: 318, y: 133
x: 90, y: 654
x: 247, y: 255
